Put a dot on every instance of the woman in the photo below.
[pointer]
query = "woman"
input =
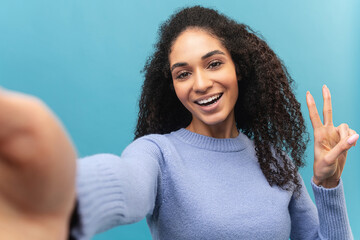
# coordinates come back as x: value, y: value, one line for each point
x: 190, y: 171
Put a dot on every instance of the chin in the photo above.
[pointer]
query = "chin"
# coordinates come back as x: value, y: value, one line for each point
x: 213, y: 121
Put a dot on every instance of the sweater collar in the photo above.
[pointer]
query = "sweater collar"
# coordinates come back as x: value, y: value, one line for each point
x: 214, y: 144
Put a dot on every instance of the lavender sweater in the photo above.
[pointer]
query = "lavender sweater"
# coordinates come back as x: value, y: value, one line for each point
x: 189, y: 186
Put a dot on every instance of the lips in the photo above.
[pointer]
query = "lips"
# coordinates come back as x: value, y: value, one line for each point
x: 209, y: 100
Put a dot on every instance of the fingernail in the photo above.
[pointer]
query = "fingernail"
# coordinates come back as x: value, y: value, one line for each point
x: 353, y: 139
x: 328, y: 90
x: 309, y: 97
x: 325, y: 90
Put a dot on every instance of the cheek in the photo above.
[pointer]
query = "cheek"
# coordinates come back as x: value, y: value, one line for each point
x: 231, y: 83
x: 232, y: 86
x: 235, y: 89
x: 235, y: 92
x: 181, y: 93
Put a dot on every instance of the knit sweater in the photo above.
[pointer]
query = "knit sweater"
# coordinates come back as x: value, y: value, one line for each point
x: 190, y: 186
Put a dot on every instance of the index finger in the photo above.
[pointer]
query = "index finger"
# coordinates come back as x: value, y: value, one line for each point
x: 314, y: 115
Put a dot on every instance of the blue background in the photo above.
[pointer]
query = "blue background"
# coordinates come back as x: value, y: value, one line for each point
x: 83, y: 58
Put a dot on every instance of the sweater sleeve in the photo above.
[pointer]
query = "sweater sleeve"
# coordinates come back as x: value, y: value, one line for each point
x: 114, y: 190
x: 327, y: 220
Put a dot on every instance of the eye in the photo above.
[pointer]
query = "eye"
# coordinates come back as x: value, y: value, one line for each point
x: 183, y: 75
x: 214, y: 64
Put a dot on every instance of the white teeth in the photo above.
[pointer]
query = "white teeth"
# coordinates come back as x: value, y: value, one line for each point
x: 204, y: 101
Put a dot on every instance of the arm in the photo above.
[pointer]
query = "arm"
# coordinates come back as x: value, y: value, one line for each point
x: 331, y: 145
x: 37, y: 170
x: 116, y: 190
x: 330, y: 209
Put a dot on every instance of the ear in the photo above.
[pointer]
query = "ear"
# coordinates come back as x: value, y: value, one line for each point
x: 168, y: 77
x: 239, y: 78
x: 238, y: 75
x: 171, y: 85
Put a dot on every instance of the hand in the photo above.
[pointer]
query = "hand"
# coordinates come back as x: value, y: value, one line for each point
x: 37, y: 170
x: 330, y: 143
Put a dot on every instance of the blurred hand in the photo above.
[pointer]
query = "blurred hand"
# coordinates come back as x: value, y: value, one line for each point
x: 37, y: 170
x: 330, y: 143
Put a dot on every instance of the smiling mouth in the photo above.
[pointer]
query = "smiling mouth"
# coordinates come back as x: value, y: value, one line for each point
x: 210, y: 100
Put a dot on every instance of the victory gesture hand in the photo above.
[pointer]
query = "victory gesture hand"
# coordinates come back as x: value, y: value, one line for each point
x: 330, y: 143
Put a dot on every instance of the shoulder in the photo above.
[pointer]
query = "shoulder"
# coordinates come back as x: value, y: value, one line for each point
x: 154, y: 144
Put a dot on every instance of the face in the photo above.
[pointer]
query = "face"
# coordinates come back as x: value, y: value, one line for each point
x: 204, y: 78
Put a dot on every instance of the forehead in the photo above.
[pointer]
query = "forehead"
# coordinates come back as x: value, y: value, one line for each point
x: 192, y: 44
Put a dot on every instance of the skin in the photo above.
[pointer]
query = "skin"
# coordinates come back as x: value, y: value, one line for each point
x: 37, y: 158
x: 195, y: 77
x: 37, y: 170
x: 202, y: 67
x: 331, y: 143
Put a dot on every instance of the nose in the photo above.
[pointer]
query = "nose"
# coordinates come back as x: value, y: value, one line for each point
x: 202, y: 82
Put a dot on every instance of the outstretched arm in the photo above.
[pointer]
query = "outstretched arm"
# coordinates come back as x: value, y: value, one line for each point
x: 37, y: 170
x: 113, y: 190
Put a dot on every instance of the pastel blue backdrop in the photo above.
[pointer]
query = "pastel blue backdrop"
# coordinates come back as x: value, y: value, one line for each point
x: 83, y: 58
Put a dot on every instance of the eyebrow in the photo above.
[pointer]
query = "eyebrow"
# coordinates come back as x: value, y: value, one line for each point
x: 180, y: 64
x: 209, y: 54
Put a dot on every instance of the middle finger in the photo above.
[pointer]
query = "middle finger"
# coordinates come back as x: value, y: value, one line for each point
x: 327, y: 110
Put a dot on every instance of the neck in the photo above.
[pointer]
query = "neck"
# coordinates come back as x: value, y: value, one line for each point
x: 225, y: 129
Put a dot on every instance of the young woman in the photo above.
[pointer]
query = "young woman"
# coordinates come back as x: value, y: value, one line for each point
x: 219, y: 141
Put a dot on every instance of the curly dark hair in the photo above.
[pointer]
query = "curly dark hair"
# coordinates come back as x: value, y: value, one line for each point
x: 266, y: 109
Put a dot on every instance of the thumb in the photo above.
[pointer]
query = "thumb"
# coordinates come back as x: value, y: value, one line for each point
x: 352, y: 139
x: 345, y: 144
